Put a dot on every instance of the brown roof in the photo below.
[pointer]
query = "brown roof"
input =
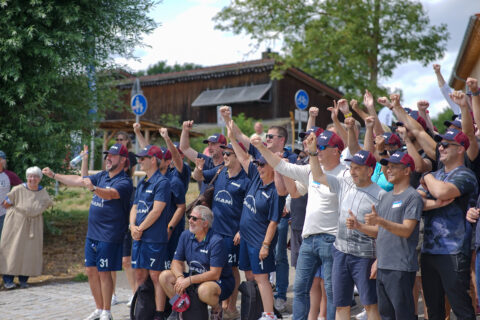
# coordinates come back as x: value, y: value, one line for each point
x: 127, y: 126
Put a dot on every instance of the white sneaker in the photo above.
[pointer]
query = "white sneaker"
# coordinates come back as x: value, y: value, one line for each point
x: 106, y: 315
x: 280, y: 304
x: 268, y: 316
x: 362, y: 315
x: 129, y: 303
x: 114, y: 299
x: 95, y: 315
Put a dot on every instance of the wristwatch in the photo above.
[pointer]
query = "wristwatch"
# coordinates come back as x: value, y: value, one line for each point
x: 313, y: 153
x: 94, y: 189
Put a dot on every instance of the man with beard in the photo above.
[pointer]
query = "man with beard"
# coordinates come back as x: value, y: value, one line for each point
x: 107, y: 224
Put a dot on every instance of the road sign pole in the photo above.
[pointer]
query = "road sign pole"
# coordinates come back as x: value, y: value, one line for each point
x: 137, y: 120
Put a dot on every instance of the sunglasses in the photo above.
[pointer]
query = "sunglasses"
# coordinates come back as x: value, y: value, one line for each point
x: 261, y: 165
x: 270, y: 136
x: 321, y: 148
x: 193, y: 218
x: 227, y: 153
x: 445, y: 145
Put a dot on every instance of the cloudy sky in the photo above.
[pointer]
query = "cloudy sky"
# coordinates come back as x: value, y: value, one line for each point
x: 186, y: 34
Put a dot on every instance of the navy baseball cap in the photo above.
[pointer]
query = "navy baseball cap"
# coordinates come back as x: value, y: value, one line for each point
x: 151, y: 151
x: 216, y: 137
x: 330, y: 139
x: 3, y: 155
x: 454, y: 135
x: 117, y: 149
x: 363, y: 158
x: 400, y: 157
x: 316, y: 130
x: 457, y: 122
x: 392, y: 139
x: 260, y: 160
x: 229, y: 146
x: 416, y: 116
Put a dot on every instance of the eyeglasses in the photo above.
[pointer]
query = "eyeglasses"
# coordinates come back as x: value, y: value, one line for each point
x: 270, y: 136
x: 193, y: 218
x: 445, y: 145
x: 227, y: 153
x: 258, y: 164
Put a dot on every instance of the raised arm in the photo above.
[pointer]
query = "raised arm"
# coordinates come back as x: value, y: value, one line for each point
x: 352, y: 142
x: 445, y: 89
x: 84, y: 166
x: 460, y: 99
x: 368, y: 139
x: 176, y: 158
x: 197, y: 173
x: 421, y: 165
x: 312, y: 116
x: 356, y: 108
x: 472, y: 84
x: 237, y: 133
x: 342, y: 106
x: 272, y: 159
x: 241, y: 155
x: 370, y: 104
x: 185, y: 141
x: 422, y: 107
x: 317, y: 172
x: 138, y: 134
x: 280, y: 184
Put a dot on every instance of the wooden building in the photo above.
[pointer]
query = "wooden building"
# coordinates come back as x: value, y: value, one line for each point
x: 245, y: 86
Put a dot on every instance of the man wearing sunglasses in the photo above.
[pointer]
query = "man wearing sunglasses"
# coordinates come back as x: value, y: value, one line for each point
x: 445, y: 258
x: 204, y: 252
x: 148, y: 224
x: 230, y: 188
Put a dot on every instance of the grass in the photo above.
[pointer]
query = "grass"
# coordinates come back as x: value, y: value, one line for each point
x: 80, y: 277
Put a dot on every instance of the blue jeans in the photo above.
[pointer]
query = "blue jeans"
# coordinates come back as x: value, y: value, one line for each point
x: 281, y: 260
x: 9, y: 279
x: 315, y: 251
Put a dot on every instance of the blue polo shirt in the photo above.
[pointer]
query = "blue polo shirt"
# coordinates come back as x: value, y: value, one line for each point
x: 446, y: 230
x: 184, y: 176
x: 200, y: 256
x: 156, y: 188
x: 177, y: 190
x: 291, y: 156
x: 108, y: 219
x: 227, y: 200
x: 261, y: 205
x: 207, y: 166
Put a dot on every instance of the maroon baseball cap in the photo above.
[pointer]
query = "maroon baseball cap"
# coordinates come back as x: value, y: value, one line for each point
x: 151, y: 151
x: 167, y: 155
x: 400, y: 157
x: 330, y: 139
x: 392, y: 139
x: 416, y: 116
x: 363, y: 158
x: 454, y: 135
x: 117, y: 149
x: 216, y: 137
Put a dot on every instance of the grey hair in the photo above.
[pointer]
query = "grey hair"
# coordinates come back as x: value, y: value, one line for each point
x: 35, y: 171
x: 205, y: 213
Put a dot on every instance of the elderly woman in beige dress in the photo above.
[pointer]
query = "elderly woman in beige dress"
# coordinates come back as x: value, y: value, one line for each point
x: 21, y: 243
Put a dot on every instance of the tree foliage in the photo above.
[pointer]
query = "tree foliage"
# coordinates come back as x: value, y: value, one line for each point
x: 46, y: 47
x: 163, y: 67
x: 443, y: 116
x: 348, y: 44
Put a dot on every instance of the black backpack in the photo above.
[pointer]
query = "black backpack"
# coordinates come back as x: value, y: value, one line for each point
x: 143, y: 302
x: 198, y: 310
x: 252, y: 306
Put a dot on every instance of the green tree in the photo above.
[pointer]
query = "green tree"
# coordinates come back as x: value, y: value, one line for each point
x: 443, y: 116
x: 46, y: 47
x: 163, y: 67
x: 349, y: 44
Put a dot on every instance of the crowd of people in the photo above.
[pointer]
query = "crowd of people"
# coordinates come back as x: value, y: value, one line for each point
x: 394, y: 216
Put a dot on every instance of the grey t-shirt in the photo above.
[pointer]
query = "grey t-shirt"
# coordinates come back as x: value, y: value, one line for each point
x: 394, y: 252
x: 360, y: 201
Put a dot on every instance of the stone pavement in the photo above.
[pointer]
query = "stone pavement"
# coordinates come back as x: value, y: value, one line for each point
x: 72, y: 300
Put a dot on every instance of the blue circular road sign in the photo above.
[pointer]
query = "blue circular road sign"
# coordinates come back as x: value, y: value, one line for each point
x: 301, y: 99
x: 139, y: 104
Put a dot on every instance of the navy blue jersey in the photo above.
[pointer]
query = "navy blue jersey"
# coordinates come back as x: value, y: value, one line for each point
x: 227, y: 200
x: 207, y: 166
x: 184, y: 176
x: 156, y: 188
x: 200, y: 256
x: 108, y: 219
x: 261, y: 205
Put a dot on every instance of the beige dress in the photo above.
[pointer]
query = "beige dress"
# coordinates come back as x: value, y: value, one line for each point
x: 21, y: 243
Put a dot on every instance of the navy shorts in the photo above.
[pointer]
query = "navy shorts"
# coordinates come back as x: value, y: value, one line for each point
x: 150, y: 255
x: 249, y: 259
x: 349, y: 270
x: 233, y: 251
x: 106, y: 256
x: 226, y: 285
x: 127, y: 245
